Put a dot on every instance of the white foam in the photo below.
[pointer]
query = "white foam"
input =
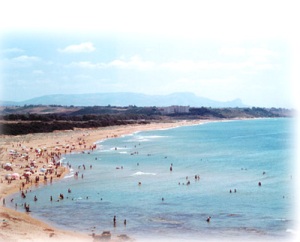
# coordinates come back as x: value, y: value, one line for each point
x: 140, y: 173
x: 69, y: 176
x: 146, y: 138
x: 291, y: 231
x: 118, y: 148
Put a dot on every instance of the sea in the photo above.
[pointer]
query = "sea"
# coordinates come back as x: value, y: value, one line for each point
x: 167, y: 183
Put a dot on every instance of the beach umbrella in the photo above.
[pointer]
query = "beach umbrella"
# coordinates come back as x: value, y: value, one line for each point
x: 27, y: 173
x: 43, y: 170
x: 15, y: 176
x: 7, y: 166
x: 8, y: 176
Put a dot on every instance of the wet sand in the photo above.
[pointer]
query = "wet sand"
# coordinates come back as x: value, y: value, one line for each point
x: 43, y: 151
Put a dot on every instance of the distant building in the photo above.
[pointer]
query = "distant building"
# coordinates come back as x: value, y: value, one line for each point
x: 175, y: 109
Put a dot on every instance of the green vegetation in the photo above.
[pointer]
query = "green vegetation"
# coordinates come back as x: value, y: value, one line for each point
x: 41, y: 119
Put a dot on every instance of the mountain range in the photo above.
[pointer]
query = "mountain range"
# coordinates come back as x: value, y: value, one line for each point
x: 126, y: 99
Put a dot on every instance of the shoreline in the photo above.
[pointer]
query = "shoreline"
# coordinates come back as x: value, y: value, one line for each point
x: 15, y: 225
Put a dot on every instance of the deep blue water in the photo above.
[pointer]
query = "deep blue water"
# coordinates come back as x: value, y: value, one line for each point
x: 226, y: 155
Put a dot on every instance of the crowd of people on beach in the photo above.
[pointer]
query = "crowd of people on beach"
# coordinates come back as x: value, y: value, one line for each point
x: 30, y: 166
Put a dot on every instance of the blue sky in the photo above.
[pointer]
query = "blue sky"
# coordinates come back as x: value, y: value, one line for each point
x: 220, y: 53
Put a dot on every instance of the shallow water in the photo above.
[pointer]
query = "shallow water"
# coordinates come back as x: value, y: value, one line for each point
x: 226, y: 156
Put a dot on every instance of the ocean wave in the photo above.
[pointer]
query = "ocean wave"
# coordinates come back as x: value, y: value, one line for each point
x: 156, y: 136
x: 61, y: 160
x: 118, y: 148
x: 69, y: 176
x: 291, y: 231
x: 140, y: 173
x: 145, y: 138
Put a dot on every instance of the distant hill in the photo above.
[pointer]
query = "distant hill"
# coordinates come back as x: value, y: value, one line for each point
x: 126, y: 99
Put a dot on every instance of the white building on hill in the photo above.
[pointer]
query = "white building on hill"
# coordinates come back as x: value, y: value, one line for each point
x: 175, y: 109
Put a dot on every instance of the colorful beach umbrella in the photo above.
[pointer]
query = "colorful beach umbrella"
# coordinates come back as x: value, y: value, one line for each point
x: 15, y: 176
x: 8, y: 176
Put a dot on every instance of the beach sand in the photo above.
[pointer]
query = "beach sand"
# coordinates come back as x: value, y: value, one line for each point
x: 39, y: 150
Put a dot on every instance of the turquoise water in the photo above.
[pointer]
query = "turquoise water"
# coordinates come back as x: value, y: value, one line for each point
x: 226, y: 155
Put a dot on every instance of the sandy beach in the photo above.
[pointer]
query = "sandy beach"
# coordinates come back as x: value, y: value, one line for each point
x: 24, y: 157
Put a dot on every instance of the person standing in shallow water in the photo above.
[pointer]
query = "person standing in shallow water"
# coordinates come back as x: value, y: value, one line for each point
x: 115, y: 221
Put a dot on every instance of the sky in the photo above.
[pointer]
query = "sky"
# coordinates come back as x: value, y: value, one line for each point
x: 220, y: 50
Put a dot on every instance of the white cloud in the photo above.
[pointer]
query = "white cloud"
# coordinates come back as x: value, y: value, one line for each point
x: 13, y: 50
x: 20, y: 61
x: 87, y: 65
x: 134, y: 62
x: 253, y: 54
x: 189, y: 65
x: 262, y: 52
x: 85, y: 47
x: 244, y: 59
x: 25, y: 58
x: 234, y: 51
x: 261, y: 55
